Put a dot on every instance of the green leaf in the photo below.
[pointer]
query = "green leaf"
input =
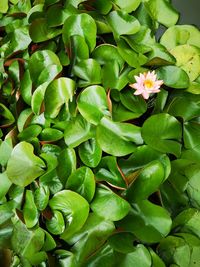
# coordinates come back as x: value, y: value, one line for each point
x: 187, y: 221
x: 174, y: 249
x: 122, y: 242
x: 29, y: 132
x: 3, y: 6
x: 147, y: 221
x: 56, y: 225
x: 90, y: 153
x: 163, y: 132
x: 140, y: 257
x: 109, y: 171
x: 74, y: 208
x: 129, y: 5
x: 77, y: 131
x: 92, y: 104
x: 103, y: 6
x: 123, y: 23
x: 185, y: 106
x: 5, y: 184
x: 78, y: 48
x: 40, y: 31
x: 133, y: 58
x: 193, y: 186
x: 65, y: 257
x: 30, y: 210
x: 113, y: 78
x: 5, y: 151
x: 120, y: 113
x: 194, y: 244
x: 7, y: 117
x: 41, y: 197
x: 105, y: 53
x: 147, y: 182
x: 62, y: 14
x: 180, y: 35
x: 156, y: 260
x: 159, y: 56
x: 109, y: 205
x: 49, y: 134
x: 83, y: 25
x: 23, y: 166
x: 191, y: 134
x: 89, y: 72
x: 133, y: 103
x: 118, y: 139
x: 49, y: 242
x: 188, y: 58
x: 142, y: 156
x: 48, y: 66
x: 173, y: 77
x: 19, y: 40
x: 58, y: 93
x: 24, y: 116
x: 38, y: 97
x: 26, y: 87
x: 82, y: 181
x: 103, y: 256
x: 162, y: 11
x: 27, y: 244
x: 67, y: 157
x: 90, y: 238
x: 51, y: 179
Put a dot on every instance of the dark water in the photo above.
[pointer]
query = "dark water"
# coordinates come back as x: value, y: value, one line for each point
x: 189, y: 10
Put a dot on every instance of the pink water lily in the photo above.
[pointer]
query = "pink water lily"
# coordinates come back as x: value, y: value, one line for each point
x: 146, y: 84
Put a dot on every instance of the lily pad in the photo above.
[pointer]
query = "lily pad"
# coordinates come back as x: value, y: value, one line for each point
x: 24, y: 166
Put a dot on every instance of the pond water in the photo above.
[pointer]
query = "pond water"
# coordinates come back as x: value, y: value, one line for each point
x: 189, y: 10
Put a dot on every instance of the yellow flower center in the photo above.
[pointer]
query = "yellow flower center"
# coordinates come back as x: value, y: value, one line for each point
x: 148, y: 84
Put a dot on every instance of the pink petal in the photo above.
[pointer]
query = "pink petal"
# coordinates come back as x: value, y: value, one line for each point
x: 145, y: 94
x: 159, y: 82
x: 138, y: 92
x: 137, y: 78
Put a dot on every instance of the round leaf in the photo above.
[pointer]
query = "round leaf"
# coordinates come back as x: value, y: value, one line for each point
x: 163, y: 132
x: 41, y: 197
x: 74, y: 208
x: 92, y: 104
x: 23, y: 166
x: 118, y: 139
x: 180, y: 35
x: 109, y: 171
x: 77, y: 131
x: 58, y: 93
x: 147, y: 182
x: 123, y: 23
x: 30, y: 210
x: 147, y: 221
x: 173, y: 77
x: 163, y: 12
x: 48, y: 66
x: 89, y: 72
x: 82, y: 181
x: 56, y: 225
x: 109, y: 205
x: 49, y: 134
x: 83, y: 25
x: 188, y: 58
x: 90, y: 153
x: 40, y: 31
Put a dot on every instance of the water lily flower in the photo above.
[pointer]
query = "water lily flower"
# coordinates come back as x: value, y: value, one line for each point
x: 146, y: 84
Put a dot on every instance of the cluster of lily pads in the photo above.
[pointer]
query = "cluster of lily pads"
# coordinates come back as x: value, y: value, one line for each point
x: 91, y: 174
